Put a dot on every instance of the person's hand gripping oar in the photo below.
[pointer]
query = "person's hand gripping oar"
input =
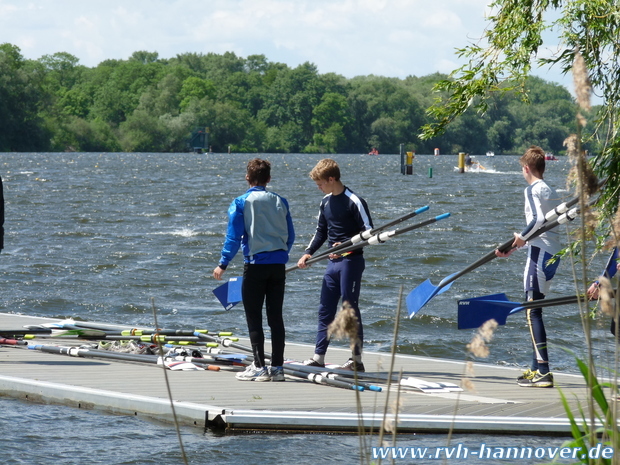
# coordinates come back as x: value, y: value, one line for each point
x: 229, y: 293
x: 422, y: 294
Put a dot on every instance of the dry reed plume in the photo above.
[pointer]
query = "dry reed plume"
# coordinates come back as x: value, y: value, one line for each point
x: 478, y: 347
x: 344, y: 325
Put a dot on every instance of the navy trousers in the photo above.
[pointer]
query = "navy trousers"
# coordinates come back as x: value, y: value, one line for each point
x: 342, y: 279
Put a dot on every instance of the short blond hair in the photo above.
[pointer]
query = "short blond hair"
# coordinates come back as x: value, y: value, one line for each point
x: 325, y: 169
x: 534, y: 159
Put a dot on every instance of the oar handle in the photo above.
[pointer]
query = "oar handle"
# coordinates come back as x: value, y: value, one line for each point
x: 560, y: 209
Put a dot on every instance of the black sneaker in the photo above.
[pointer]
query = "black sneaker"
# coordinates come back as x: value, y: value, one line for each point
x: 543, y: 381
x: 352, y: 365
x: 313, y: 363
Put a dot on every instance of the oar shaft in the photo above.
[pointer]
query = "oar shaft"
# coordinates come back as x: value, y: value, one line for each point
x: 112, y: 330
x: 566, y: 300
x: 94, y: 353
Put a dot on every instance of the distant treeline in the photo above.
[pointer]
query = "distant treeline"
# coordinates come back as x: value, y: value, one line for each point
x: 149, y: 104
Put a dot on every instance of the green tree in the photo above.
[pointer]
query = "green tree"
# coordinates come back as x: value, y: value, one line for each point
x: 144, y: 57
x: 21, y: 94
x: 195, y: 88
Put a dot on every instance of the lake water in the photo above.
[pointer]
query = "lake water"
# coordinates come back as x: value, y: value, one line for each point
x: 97, y: 236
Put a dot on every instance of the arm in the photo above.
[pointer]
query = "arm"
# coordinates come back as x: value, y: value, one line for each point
x: 291, y: 229
x: 517, y: 244
x: 532, y: 198
x: 234, y: 233
x: 613, y: 265
x: 320, y: 234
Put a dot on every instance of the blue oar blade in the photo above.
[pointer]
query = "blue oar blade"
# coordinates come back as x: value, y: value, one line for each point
x: 472, y: 313
x: 419, y: 296
x: 234, y: 289
x: 229, y: 293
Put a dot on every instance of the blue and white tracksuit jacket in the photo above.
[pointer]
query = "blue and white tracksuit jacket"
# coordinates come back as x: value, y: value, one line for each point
x: 260, y: 223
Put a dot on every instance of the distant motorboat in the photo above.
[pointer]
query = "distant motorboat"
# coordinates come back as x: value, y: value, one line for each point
x: 550, y: 156
x: 490, y: 154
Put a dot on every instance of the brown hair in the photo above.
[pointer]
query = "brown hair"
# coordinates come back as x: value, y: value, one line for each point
x: 258, y: 172
x: 534, y: 159
x: 325, y: 169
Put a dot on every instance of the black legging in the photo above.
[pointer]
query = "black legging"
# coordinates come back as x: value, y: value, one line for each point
x: 264, y: 283
x: 534, y: 317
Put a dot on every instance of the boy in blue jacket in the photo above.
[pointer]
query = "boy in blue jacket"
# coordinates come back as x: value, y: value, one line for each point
x: 260, y: 223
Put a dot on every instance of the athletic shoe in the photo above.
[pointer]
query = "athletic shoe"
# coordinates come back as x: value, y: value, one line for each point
x: 253, y: 373
x: 527, y: 374
x: 352, y: 365
x: 539, y: 380
x: 276, y: 373
x: 313, y: 363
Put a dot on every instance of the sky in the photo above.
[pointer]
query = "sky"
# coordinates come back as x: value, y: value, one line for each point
x: 394, y: 38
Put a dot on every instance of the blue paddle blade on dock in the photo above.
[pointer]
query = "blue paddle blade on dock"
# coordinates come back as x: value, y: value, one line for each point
x: 422, y: 294
x: 229, y: 293
x: 473, y: 313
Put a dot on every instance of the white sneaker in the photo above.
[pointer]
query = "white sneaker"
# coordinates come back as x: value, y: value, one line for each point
x: 253, y: 373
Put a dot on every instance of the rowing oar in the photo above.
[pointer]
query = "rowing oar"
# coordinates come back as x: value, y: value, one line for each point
x: 379, y: 238
x: 104, y: 354
x: 472, y: 313
x: 229, y: 293
x: 319, y: 378
x: 295, y: 370
x: 149, y: 338
x: 365, y: 235
x: 107, y: 330
x: 422, y: 294
x: 124, y: 331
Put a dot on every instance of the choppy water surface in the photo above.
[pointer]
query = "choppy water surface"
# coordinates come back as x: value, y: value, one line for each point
x: 97, y: 236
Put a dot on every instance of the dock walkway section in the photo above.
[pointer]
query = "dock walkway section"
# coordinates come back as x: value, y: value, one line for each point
x: 215, y: 399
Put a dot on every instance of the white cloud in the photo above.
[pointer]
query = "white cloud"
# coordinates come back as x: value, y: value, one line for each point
x: 349, y: 37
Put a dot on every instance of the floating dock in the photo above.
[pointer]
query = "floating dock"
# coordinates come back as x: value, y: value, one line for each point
x: 216, y: 400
